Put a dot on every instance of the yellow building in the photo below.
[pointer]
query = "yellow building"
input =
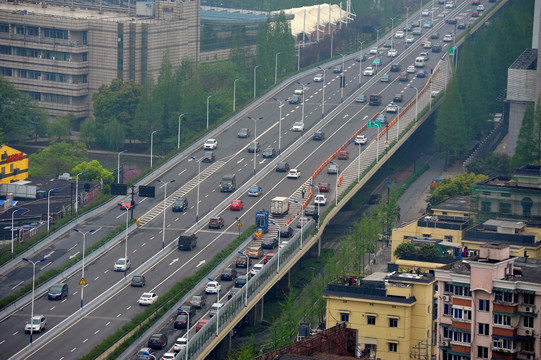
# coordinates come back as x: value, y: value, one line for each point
x: 13, y: 165
x: 392, y: 313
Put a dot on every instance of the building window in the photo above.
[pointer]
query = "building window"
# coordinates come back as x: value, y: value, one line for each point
x: 483, y: 329
x: 32, y: 30
x: 506, y: 344
x: 529, y: 299
x: 502, y: 319
x: 462, y: 337
x: 528, y: 346
x: 344, y: 317
x: 484, y: 305
x: 482, y: 352
x: 528, y: 322
x: 505, y: 296
x: 19, y: 30
x: 426, y: 236
x: 6, y: 71
x: 371, y: 320
x: 485, y: 206
x: 5, y: 50
x: 448, y: 238
x: 487, y: 193
x: 447, y: 309
x: 393, y: 347
x: 84, y: 57
x: 447, y: 333
x: 462, y: 314
x: 34, y: 95
x: 84, y: 79
x: 21, y: 74
x: 505, y: 208
x: 462, y: 291
x: 55, y: 34
x: 393, y: 322
x: 4, y: 28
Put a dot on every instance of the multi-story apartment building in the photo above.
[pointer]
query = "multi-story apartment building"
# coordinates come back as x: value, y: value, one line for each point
x: 60, y: 53
x: 392, y: 313
x: 488, y: 307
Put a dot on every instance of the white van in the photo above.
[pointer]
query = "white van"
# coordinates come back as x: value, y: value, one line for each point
x: 419, y: 61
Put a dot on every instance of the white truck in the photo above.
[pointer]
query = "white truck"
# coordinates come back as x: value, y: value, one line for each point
x: 279, y: 206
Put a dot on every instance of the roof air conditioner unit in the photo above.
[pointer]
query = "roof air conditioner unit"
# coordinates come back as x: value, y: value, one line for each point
x: 446, y: 298
x: 445, y: 343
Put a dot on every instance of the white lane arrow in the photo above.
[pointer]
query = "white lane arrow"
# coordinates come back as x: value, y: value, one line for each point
x: 239, y: 161
x: 174, y: 261
x: 262, y: 161
x: 48, y: 255
x: 200, y: 263
x: 74, y: 255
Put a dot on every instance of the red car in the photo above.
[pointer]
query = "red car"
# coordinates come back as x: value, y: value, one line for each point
x: 200, y: 324
x: 268, y: 257
x: 475, y: 14
x: 343, y: 155
x: 324, y: 187
x: 126, y: 205
x: 236, y: 205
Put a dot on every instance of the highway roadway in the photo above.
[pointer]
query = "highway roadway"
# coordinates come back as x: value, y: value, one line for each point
x: 232, y: 157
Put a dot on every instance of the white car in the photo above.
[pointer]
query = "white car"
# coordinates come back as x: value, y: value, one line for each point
x: 424, y: 55
x: 122, y: 264
x: 449, y: 5
x: 213, y: 287
x: 147, y: 298
x: 210, y: 144
x: 392, y: 53
x: 180, y: 344
x: 360, y: 140
x: 448, y: 38
x: 373, y: 50
x: 425, y: 12
x: 318, y: 78
x: 256, y: 269
x: 410, y: 39
x: 169, y: 356
x: 481, y: 7
x: 293, y: 174
x: 392, y: 108
x: 38, y: 324
x: 427, y: 45
x: 399, y: 34
x: 410, y: 69
x: 297, y: 126
x: 298, y: 90
x: 284, y: 243
x: 320, y: 200
x: 369, y: 71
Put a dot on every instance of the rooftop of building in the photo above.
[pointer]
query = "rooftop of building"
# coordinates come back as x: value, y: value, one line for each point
x: 510, y: 232
x: 526, y: 61
x: 525, y: 177
x: 454, y: 203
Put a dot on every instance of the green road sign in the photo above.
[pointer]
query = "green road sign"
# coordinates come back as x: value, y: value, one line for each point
x: 451, y: 50
x: 374, y: 123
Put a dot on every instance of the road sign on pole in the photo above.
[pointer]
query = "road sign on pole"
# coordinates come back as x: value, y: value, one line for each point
x: 374, y: 123
x: 82, y: 282
x: 451, y: 50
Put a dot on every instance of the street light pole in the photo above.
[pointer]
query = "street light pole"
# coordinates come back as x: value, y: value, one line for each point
x: 118, y: 164
x: 179, y: 118
x: 152, y: 145
x: 34, y: 263
x: 342, y: 76
x: 76, y: 192
x: 12, y: 220
x: 279, y: 244
x: 302, y: 105
x: 276, y: 67
x: 360, y: 61
x: 336, y: 187
x: 359, y: 158
x: 49, y: 207
x: 377, y: 37
x: 416, y: 100
x: 198, y: 182
x: 302, y: 217
x: 392, y: 30
x: 280, y: 124
x: 164, y: 208
x: 255, y: 79
x: 208, y: 98
x: 255, y: 138
x: 218, y: 311
x: 83, y: 267
x: 398, y: 124
x: 235, y: 93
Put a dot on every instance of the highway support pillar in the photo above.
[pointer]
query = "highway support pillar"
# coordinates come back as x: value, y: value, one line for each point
x: 223, y: 348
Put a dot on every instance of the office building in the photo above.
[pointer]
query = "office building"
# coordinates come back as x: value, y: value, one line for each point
x: 13, y: 165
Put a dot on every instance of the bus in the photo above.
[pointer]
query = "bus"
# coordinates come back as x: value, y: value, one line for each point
x: 375, y: 99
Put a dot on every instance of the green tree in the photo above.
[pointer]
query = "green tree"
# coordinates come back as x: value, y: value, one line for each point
x: 20, y: 118
x: 87, y: 131
x: 528, y: 143
x: 428, y: 251
x: 459, y: 185
x: 492, y: 164
x: 406, y: 249
x: 94, y: 171
x: 56, y: 159
x: 59, y: 128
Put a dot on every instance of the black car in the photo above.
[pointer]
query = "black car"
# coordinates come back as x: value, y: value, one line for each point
x: 310, y: 210
x: 186, y: 310
x: 180, y: 204
x: 138, y: 280
x: 269, y: 152
x: 254, y: 147
x: 361, y: 59
x: 318, y: 135
x: 157, y: 341
x: 436, y: 48
x: 396, y: 68
x: 461, y: 26
x: 294, y: 99
x: 398, y: 98
x: 244, y: 133
x: 216, y: 222
x: 387, y: 44
x: 228, y: 274
x: 208, y: 157
x: 181, y: 321
x: 453, y: 21
x: 282, y: 167
x: 241, y: 281
x: 286, y: 232
x: 435, y: 35
x: 58, y: 292
x: 269, y: 243
x: 232, y: 292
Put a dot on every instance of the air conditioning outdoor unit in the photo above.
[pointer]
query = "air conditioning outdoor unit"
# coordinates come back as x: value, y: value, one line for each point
x: 446, y: 298
x: 445, y: 343
x: 529, y: 332
x: 530, y: 309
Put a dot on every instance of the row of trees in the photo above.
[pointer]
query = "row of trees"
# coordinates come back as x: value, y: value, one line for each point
x: 481, y: 76
x: 528, y: 150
